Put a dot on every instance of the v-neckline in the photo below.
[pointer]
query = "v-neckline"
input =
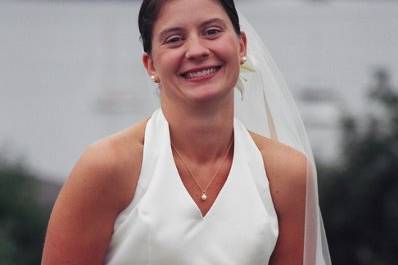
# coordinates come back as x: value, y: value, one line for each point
x: 188, y: 195
x: 182, y: 186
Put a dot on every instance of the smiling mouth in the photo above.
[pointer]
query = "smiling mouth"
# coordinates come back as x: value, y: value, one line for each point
x: 202, y: 73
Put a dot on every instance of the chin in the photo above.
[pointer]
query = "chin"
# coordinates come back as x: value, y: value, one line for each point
x: 208, y: 94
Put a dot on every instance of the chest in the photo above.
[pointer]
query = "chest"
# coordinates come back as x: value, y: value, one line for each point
x: 171, y: 228
x: 166, y: 224
x: 205, y: 187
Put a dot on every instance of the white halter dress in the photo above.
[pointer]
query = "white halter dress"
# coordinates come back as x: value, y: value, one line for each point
x: 164, y: 226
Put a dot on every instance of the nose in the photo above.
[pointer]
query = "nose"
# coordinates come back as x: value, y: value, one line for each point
x: 196, y: 49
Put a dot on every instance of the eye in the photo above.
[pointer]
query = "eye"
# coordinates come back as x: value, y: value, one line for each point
x: 173, y: 39
x: 212, y: 32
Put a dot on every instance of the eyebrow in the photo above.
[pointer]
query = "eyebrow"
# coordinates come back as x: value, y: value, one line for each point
x: 214, y: 20
x: 166, y: 31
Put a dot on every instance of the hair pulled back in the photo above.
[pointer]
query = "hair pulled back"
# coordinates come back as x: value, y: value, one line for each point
x: 149, y: 12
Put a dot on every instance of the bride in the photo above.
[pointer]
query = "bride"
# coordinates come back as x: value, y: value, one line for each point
x: 191, y: 184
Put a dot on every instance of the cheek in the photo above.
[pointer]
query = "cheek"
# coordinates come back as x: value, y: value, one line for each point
x: 167, y: 62
x: 228, y: 50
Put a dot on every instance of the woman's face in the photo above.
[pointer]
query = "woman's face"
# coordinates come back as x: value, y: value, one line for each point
x: 196, y: 53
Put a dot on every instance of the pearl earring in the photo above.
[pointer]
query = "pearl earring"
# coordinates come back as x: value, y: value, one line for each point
x: 243, y: 60
x: 154, y: 79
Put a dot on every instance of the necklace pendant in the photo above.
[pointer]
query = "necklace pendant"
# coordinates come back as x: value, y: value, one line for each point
x: 203, y: 197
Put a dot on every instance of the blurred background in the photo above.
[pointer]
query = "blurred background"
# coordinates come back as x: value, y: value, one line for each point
x: 71, y: 73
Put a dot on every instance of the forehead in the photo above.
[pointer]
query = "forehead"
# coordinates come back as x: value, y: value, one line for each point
x: 185, y: 12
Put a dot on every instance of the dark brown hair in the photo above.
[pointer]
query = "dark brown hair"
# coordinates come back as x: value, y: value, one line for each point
x: 149, y: 12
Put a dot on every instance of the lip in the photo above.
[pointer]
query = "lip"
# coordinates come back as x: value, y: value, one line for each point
x: 198, y: 69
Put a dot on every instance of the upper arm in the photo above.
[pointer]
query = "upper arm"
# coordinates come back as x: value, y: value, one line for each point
x: 288, y: 190
x: 287, y: 175
x: 81, y: 223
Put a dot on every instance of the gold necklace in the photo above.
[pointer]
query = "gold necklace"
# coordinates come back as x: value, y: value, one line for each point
x: 203, y: 197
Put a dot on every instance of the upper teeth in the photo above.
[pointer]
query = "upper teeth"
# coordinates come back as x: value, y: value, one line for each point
x: 201, y: 73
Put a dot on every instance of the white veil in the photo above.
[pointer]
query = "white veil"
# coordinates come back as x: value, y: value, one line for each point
x: 266, y: 107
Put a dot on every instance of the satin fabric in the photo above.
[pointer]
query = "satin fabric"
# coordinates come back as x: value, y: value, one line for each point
x: 164, y: 226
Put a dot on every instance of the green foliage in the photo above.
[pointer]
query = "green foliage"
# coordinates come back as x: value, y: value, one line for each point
x: 360, y: 197
x: 22, y: 220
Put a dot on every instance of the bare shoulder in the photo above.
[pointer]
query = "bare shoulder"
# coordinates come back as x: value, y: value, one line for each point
x: 286, y: 169
x: 114, y: 162
x: 280, y: 158
x: 100, y: 186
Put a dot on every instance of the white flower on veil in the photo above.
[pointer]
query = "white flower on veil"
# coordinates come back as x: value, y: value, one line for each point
x: 245, y: 69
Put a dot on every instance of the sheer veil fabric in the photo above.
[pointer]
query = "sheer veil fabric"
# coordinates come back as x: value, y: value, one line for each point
x: 266, y: 107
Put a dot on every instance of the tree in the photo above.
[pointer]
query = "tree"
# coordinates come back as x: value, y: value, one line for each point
x: 22, y: 219
x: 360, y: 196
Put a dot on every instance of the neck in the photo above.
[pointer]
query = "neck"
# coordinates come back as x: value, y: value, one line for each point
x: 201, y: 133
